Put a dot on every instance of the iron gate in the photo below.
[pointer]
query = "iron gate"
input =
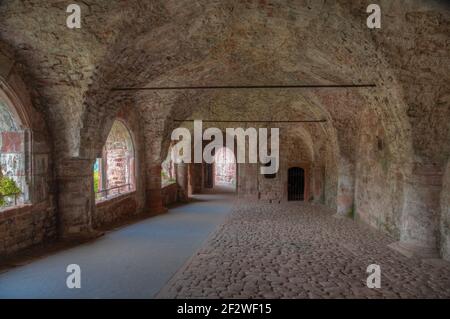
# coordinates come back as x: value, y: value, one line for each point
x: 296, y: 184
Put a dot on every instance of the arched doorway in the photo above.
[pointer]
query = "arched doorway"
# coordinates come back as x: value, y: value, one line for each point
x: 225, y: 168
x: 168, y: 171
x: 296, y: 184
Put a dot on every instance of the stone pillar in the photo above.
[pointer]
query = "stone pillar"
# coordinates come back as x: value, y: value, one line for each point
x: 419, y: 229
x: 248, y: 184
x: 182, y: 181
x: 346, y: 188
x: 132, y: 180
x: 319, y: 184
x: 75, y: 198
x: 154, y: 197
x: 308, y: 182
x: 197, y: 178
x: 191, y: 179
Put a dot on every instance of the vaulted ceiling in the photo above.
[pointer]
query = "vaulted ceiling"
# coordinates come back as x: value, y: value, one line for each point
x: 150, y: 43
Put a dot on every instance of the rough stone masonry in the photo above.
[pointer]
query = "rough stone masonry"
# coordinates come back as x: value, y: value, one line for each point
x: 380, y: 157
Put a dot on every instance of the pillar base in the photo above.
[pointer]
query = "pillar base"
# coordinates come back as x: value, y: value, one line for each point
x: 82, y: 236
x: 157, y: 210
x: 155, y: 205
x: 182, y: 196
x: 411, y: 250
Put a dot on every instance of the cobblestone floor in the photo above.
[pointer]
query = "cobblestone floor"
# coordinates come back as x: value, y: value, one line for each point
x: 301, y: 251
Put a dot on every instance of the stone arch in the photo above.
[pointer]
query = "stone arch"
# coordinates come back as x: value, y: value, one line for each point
x: 116, y: 167
x: 35, y: 222
x: 168, y: 167
x: 16, y: 107
x: 345, y: 65
x: 298, y: 182
x: 344, y: 52
x: 15, y: 145
x: 225, y: 167
x: 390, y: 103
x: 131, y: 199
x: 300, y: 147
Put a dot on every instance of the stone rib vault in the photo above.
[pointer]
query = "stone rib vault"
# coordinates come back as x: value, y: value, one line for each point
x: 379, y: 157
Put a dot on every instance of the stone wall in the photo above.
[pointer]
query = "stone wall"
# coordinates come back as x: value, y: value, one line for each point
x: 248, y: 181
x: 34, y: 222
x: 114, y: 210
x: 197, y: 177
x: 169, y: 194
x: 379, y: 179
x: 383, y: 174
x: 294, y: 152
x: 331, y: 182
x: 445, y: 215
x: 25, y: 226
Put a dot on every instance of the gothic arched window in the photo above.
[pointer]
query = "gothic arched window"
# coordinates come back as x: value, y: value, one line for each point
x: 14, y: 155
x: 114, y: 172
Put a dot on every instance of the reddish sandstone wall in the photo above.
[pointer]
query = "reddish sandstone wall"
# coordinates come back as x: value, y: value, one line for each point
x: 25, y: 226
x: 379, y: 178
x: 36, y: 222
x: 170, y: 194
x: 115, y: 210
x: 294, y: 152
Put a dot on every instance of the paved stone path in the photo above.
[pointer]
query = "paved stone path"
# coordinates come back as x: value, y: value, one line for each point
x: 299, y: 251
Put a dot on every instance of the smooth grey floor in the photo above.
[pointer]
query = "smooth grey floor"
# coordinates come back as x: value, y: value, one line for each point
x: 135, y: 261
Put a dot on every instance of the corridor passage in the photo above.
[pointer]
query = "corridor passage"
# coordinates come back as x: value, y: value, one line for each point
x: 131, y: 262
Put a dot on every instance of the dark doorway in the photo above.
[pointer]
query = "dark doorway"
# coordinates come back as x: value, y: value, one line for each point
x: 209, y: 177
x: 296, y: 184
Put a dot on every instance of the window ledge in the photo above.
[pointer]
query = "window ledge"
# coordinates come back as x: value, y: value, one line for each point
x: 115, y: 198
x: 14, y: 210
x: 165, y: 185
